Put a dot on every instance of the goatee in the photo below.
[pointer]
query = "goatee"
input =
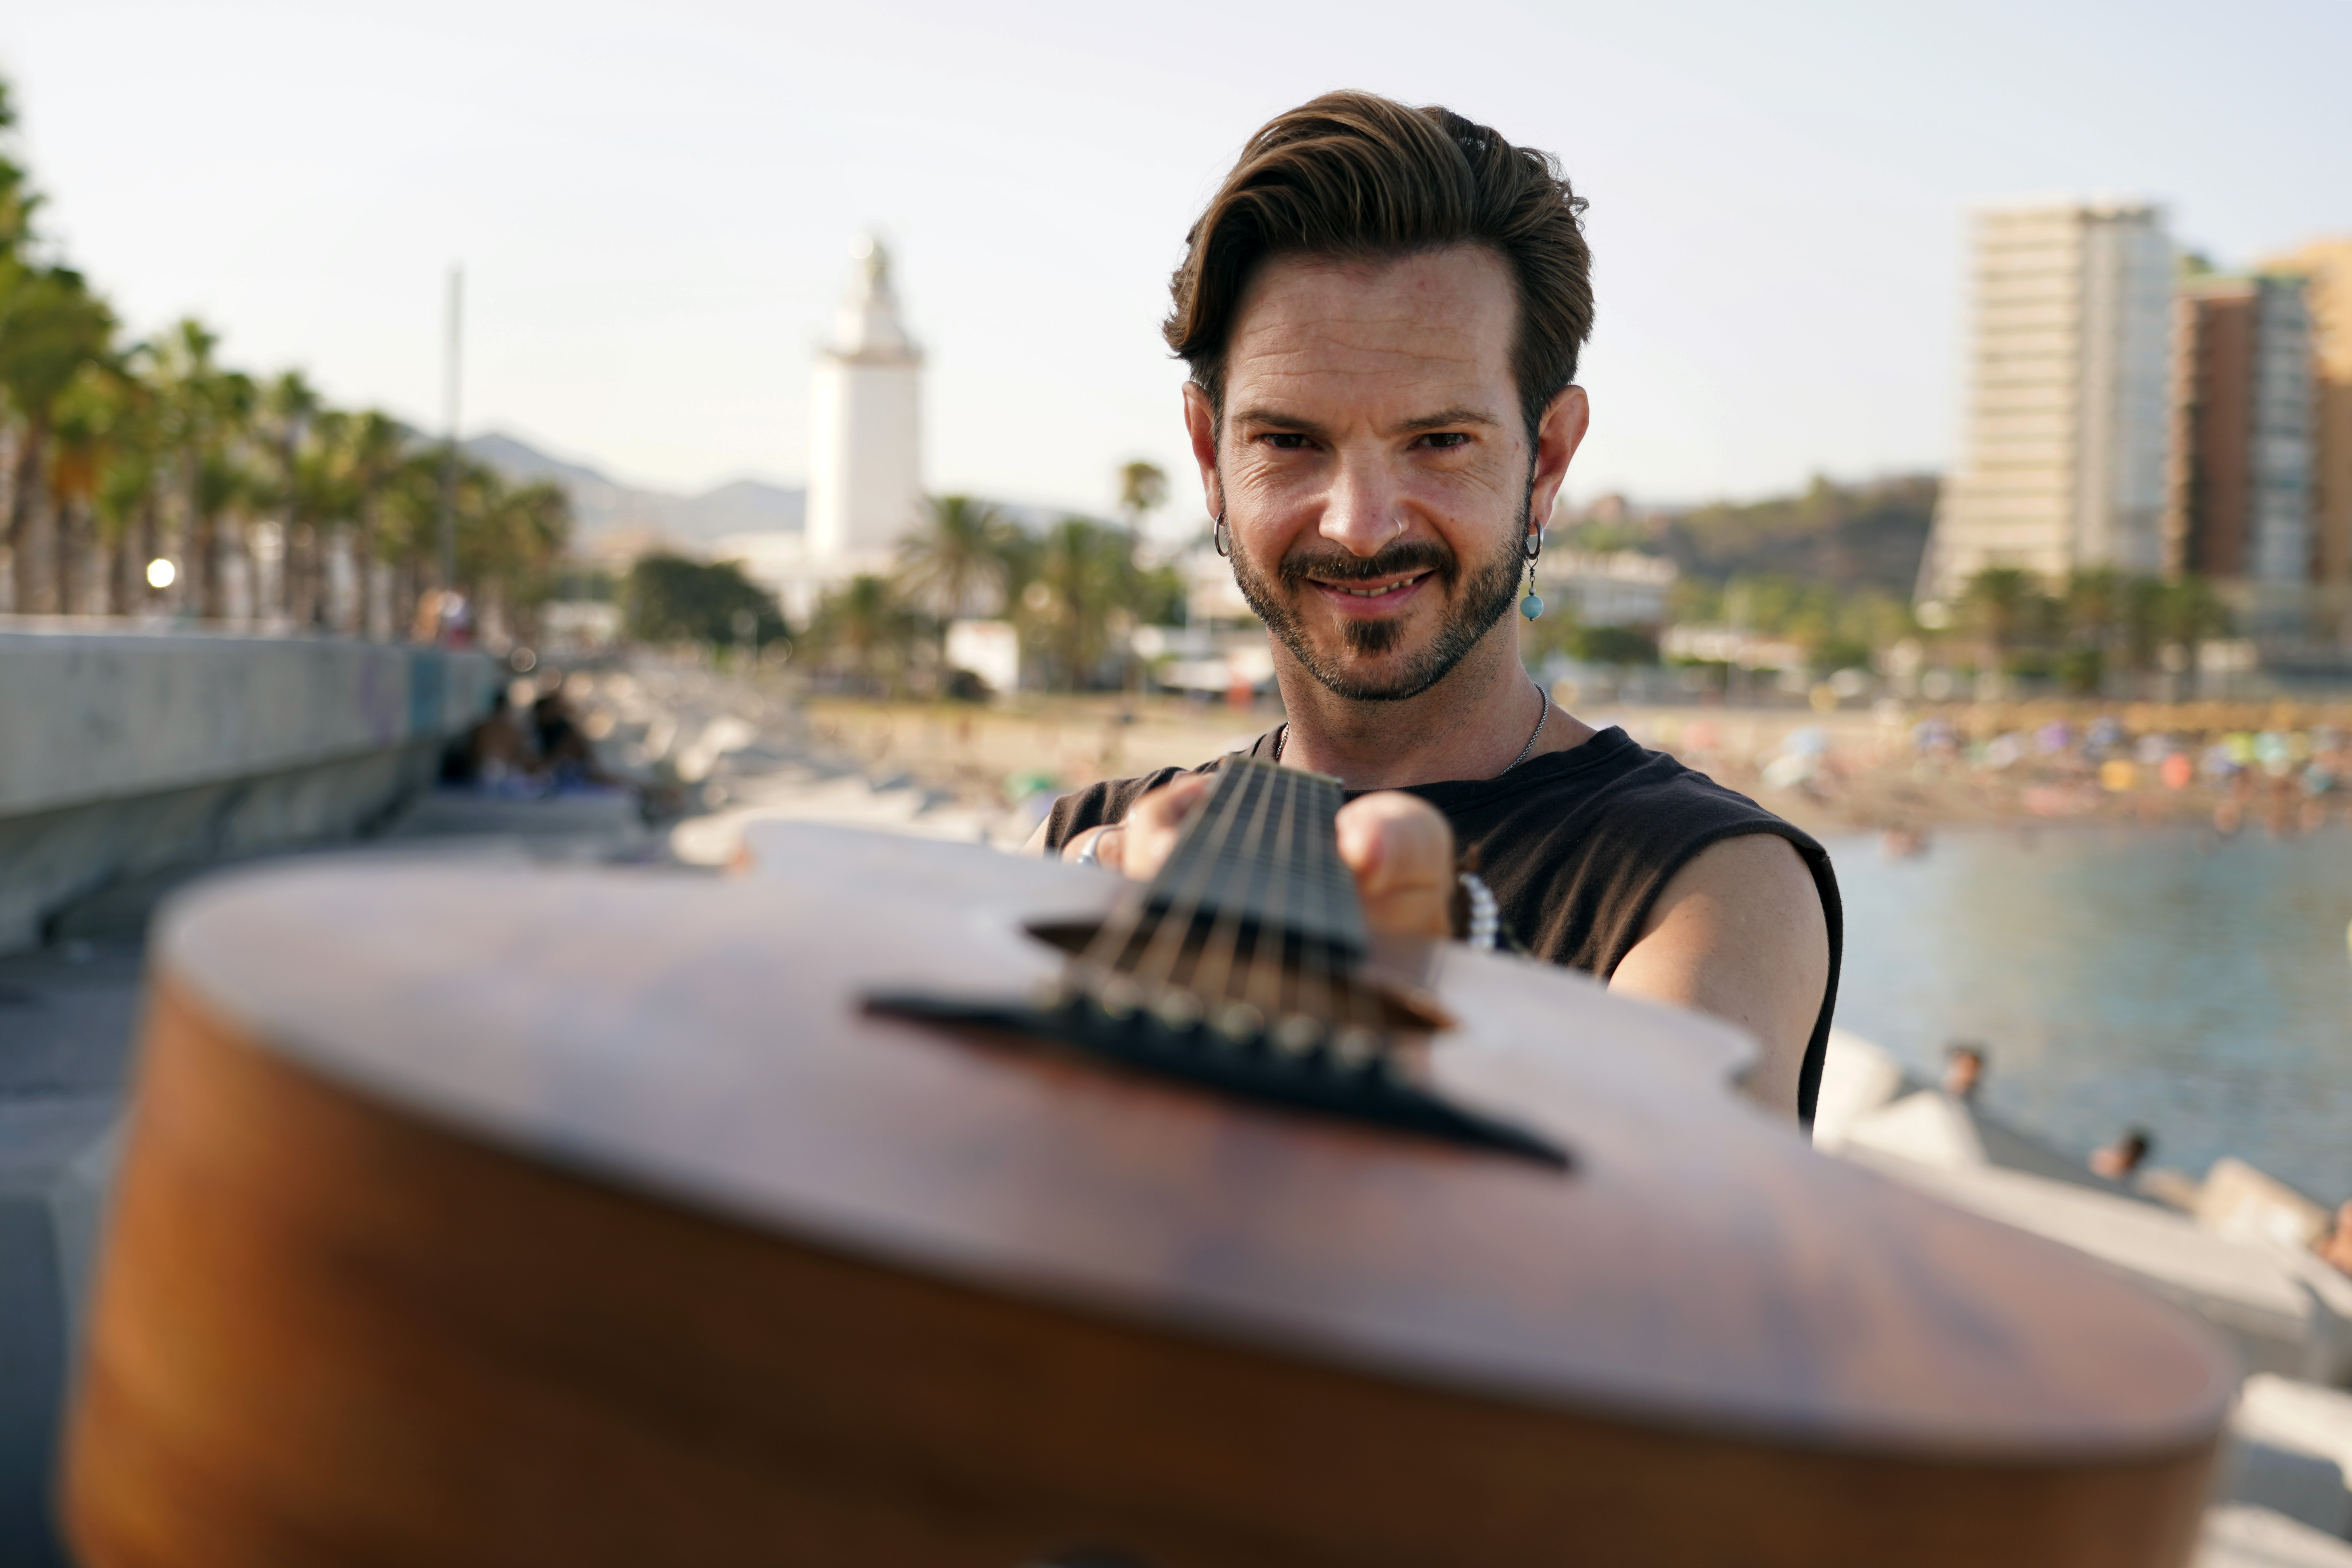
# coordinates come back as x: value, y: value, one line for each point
x: 1479, y: 595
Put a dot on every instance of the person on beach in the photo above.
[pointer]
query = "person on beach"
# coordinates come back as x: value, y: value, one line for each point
x: 1381, y: 310
x: 2119, y: 1160
x: 2335, y: 1247
x: 1964, y: 1070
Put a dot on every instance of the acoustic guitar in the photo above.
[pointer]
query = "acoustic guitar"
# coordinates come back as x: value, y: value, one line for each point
x: 900, y: 1203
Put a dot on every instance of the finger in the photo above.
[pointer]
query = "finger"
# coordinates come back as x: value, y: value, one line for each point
x: 1400, y: 849
x: 1153, y: 824
x: 1106, y: 843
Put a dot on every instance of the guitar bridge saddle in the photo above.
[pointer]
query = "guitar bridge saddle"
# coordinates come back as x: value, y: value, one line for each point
x: 1293, y: 1062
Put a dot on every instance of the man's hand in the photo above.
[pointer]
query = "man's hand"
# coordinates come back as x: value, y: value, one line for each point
x: 1399, y: 847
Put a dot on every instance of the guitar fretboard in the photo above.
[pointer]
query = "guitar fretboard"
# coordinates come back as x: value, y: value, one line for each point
x: 1261, y: 850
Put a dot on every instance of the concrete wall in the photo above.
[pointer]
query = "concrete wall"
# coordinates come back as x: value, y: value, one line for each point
x: 56, y: 1160
x: 124, y: 754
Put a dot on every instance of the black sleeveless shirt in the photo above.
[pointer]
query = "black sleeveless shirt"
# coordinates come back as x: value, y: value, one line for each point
x: 1576, y: 844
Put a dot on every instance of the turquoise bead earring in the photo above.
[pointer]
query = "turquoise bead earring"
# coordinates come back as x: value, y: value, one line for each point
x: 1532, y: 605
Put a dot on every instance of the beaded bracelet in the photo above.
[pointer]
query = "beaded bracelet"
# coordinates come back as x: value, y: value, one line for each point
x: 1485, y: 922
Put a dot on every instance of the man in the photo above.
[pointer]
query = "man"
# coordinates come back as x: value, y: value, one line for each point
x: 1382, y: 310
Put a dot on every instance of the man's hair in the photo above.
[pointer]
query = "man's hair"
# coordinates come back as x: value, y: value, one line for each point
x: 1357, y: 177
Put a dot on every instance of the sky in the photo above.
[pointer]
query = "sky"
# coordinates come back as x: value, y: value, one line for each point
x: 655, y: 205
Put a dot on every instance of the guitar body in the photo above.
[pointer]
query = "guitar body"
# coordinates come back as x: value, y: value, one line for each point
x: 501, y: 1216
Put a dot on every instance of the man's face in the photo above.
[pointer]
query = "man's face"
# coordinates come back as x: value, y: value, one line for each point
x: 1374, y: 464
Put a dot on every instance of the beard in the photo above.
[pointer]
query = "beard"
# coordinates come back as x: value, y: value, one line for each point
x: 1478, y: 596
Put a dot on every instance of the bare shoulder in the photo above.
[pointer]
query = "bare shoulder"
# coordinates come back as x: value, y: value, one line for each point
x: 1740, y: 931
x: 1751, y: 876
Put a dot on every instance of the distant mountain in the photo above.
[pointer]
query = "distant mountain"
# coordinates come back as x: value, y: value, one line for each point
x: 621, y: 521
x: 1865, y: 535
x: 525, y: 464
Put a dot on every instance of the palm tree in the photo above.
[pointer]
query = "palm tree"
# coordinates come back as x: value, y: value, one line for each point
x: 407, y: 535
x: 2193, y: 613
x: 956, y: 564
x: 322, y: 501
x: 18, y: 201
x: 289, y: 410
x: 50, y: 326
x: 367, y: 455
x: 2094, y: 609
x: 2095, y: 603
x: 2143, y: 621
x: 507, y: 543
x: 1142, y: 489
x: 82, y: 438
x: 1082, y: 580
x: 207, y: 415
x: 867, y: 627
x: 125, y: 499
x: 1997, y: 601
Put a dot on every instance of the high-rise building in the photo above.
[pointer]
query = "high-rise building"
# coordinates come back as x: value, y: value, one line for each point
x: 2241, y: 506
x: 2326, y: 266
x: 866, y: 455
x: 2062, y: 462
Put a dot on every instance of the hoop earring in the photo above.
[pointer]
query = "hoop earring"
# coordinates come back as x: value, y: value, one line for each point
x: 1532, y: 605
x: 1224, y: 540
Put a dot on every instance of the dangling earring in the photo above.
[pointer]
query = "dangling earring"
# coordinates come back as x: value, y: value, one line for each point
x: 1223, y: 540
x: 1532, y: 605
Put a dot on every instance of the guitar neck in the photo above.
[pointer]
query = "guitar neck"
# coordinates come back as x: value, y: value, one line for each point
x: 1262, y: 852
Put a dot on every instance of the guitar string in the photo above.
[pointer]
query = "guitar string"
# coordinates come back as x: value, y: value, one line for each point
x: 1199, y: 852
x: 1311, y: 983
x: 1316, y: 966
x: 1319, y: 978
x: 1212, y: 973
x: 1350, y: 1003
x: 1251, y: 890
x: 1263, y: 983
x: 1107, y: 952
x: 1320, y: 974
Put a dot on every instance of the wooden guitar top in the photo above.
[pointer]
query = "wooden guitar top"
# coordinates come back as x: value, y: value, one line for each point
x: 701, y: 1041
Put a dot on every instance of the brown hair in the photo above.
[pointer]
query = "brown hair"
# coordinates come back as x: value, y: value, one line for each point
x: 1356, y: 176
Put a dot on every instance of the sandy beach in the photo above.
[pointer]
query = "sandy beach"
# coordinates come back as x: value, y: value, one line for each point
x: 1896, y: 768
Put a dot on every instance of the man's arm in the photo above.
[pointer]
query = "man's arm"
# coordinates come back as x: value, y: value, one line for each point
x: 1738, y: 932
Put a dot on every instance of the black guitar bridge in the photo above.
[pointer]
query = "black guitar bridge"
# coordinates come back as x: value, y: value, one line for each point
x: 1241, y: 968
x: 1349, y: 1074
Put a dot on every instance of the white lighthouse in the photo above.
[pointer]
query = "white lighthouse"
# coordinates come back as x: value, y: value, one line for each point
x: 866, y: 456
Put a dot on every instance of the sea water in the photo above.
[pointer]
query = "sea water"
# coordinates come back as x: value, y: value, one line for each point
x: 2198, y: 986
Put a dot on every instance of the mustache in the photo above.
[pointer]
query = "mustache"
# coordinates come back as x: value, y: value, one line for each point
x: 1337, y: 565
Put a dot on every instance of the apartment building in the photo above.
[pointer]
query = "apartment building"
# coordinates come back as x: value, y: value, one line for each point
x: 2241, y: 505
x: 2326, y: 265
x: 2067, y: 432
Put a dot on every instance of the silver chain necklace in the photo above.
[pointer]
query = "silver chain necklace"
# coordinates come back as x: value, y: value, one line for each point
x: 1282, y: 736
